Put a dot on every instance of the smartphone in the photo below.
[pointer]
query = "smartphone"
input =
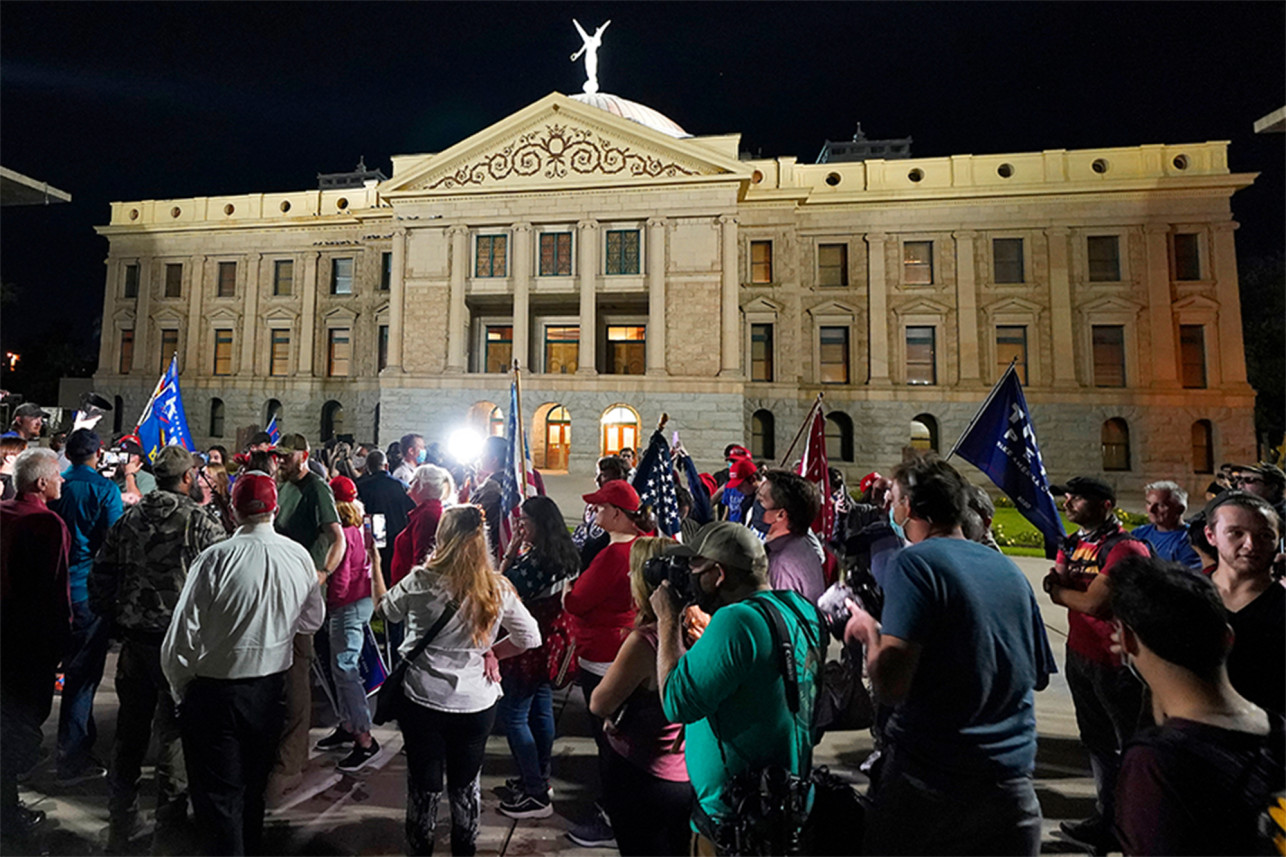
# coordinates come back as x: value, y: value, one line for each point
x: 378, y: 529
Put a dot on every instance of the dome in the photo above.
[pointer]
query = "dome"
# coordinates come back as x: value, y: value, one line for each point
x: 633, y: 111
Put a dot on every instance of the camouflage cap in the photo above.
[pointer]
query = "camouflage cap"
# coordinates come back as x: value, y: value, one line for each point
x: 172, y: 462
x: 290, y: 443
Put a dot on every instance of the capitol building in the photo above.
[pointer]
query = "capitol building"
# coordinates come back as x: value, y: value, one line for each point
x: 633, y: 268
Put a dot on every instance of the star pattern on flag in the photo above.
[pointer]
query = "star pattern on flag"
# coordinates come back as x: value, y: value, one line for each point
x: 654, y: 482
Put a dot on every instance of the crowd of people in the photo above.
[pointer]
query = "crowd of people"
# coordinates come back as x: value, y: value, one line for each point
x: 226, y: 577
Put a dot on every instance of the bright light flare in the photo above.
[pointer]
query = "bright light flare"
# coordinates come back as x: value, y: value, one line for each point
x: 12, y: 359
x: 465, y: 445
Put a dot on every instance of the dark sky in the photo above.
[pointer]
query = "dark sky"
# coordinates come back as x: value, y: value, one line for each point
x: 127, y: 101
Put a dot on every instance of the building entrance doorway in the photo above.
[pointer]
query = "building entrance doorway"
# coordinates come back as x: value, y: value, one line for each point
x: 620, y: 429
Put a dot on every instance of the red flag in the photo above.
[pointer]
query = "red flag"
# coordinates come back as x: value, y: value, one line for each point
x: 814, y: 468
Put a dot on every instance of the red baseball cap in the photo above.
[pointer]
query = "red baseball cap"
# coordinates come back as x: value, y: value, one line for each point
x: 741, y: 470
x: 737, y: 452
x: 254, y: 493
x: 344, y: 489
x: 616, y: 492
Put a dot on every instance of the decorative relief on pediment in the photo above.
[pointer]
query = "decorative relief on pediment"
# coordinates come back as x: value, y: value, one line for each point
x: 556, y: 152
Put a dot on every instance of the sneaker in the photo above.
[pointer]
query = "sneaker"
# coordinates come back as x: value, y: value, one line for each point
x: 90, y: 772
x: 512, y: 790
x: 527, y: 806
x: 360, y: 757
x: 340, y: 739
x: 595, y: 833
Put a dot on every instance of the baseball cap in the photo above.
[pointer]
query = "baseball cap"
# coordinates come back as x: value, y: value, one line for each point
x: 729, y: 544
x: 735, y: 452
x: 290, y: 443
x: 344, y: 489
x: 172, y: 461
x: 254, y: 493
x: 1089, y: 487
x: 615, y: 492
x: 741, y: 470
x: 82, y: 443
x: 130, y: 444
x: 1271, y: 473
x: 28, y: 409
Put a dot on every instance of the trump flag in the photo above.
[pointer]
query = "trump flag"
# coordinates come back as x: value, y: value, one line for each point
x: 164, y: 422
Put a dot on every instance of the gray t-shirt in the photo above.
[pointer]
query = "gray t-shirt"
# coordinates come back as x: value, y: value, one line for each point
x: 793, y: 564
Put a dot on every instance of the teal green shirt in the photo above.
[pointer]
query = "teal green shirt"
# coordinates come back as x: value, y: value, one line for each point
x: 303, y: 508
x: 729, y: 688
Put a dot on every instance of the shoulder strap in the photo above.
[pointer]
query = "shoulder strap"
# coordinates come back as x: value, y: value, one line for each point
x: 423, y: 644
x: 1105, y: 547
x: 784, y: 648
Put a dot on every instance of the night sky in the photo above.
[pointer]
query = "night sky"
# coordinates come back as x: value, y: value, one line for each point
x: 129, y: 101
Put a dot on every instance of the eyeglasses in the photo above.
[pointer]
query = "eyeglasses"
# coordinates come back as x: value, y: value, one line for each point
x: 1248, y: 480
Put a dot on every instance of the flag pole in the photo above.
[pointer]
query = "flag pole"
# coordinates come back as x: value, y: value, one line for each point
x: 807, y: 419
x: 982, y: 408
x: 520, y: 440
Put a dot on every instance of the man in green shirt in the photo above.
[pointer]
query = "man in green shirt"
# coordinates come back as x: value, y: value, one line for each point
x: 306, y: 514
x: 728, y: 688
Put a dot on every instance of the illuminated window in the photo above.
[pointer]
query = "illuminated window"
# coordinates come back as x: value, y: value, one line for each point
x: 620, y: 429
x: 223, y: 351
x: 227, y: 279
x: 279, y: 358
x: 924, y: 433
x: 283, y: 276
x: 1007, y: 259
x: 834, y: 355
x: 622, y: 251
x: 339, y: 352
x: 496, y: 422
x: 917, y: 262
x: 921, y: 355
x: 386, y: 271
x: 216, y: 418
x: 558, y: 438
x: 381, y: 360
x: 761, y: 261
x: 492, y: 256
x: 127, y: 351
x: 626, y: 349
x: 556, y: 254
x: 1203, y: 450
x: 1104, y: 253
x: 173, y: 280
x: 1187, y: 256
x: 1011, y: 346
x: 169, y: 346
x: 1115, y: 438
x: 562, y: 349
x: 1192, y: 350
x: 832, y: 265
x: 499, y: 348
x: 761, y: 352
x: 1109, y: 355
x: 131, y: 281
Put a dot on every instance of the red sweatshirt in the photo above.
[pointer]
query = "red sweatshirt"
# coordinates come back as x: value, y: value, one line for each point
x: 600, y: 604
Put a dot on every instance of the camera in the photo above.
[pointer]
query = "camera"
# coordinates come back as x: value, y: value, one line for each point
x: 114, y: 457
x: 676, y: 569
x: 833, y: 603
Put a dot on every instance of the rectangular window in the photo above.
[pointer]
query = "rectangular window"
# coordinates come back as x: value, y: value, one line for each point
x: 1104, y: 254
x: 917, y: 263
x: 283, y: 277
x: 169, y: 346
x: 341, y: 276
x: 761, y: 352
x: 761, y: 261
x: 1109, y: 355
x: 1187, y: 256
x: 492, y: 259
x: 279, y: 359
x: 127, y: 352
x: 173, y: 280
x: 339, y: 352
x: 223, y: 351
x: 1007, y: 259
x: 622, y: 251
x: 922, y: 355
x: 227, y: 279
x: 626, y: 349
x: 556, y: 254
x: 1192, y: 350
x: 500, y: 348
x: 1011, y: 346
x: 832, y: 265
x: 834, y: 355
x: 562, y: 350
x: 382, y: 357
x: 131, y: 281
x: 386, y: 271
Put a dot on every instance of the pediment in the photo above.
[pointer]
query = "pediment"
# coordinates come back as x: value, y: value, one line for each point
x: 381, y: 313
x: 559, y: 143
x: 762, y: 306
x: 832, y: 309
x: 224, y: 314
x: 1196, y: 303
x: 1014, y: 306
x: 339, y: 316
x: 1111, y: 304
x: 280, y: 315
x: 123, y: 317
x: 167, y: 316
x: 923, y: 306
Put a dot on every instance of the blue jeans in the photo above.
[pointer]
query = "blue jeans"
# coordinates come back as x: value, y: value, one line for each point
x: 82, y: 671
x: 526, y: 714
x: 347, y: 636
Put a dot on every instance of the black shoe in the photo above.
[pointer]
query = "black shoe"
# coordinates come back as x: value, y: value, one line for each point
x: 527, y: 806
x: 594, y: 833
x: 340, y: 739
x: 512, y: 790
x: 360, y: 757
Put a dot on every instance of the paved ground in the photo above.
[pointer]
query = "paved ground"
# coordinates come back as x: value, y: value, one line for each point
x: 332, y: 813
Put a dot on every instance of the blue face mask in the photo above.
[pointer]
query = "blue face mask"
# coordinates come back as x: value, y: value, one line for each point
x: 420, y: 456
x: 897, y: 528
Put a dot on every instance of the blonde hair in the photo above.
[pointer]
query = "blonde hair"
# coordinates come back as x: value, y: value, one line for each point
x: 351, y: 514
x: 462, y: 558
x: 643, y: 549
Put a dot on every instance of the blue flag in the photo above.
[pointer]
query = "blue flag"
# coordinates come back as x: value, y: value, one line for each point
x: 163, y: 422
x: 274, y: 433
x: 702, y: 511
x: 654, y: 482
x: 1001, y: 442
x: 517, y: 477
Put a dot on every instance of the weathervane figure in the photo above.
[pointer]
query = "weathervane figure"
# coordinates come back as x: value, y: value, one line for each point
x: 590, y: 50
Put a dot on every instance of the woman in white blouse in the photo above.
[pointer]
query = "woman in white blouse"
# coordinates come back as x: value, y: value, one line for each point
x: 450, y: 701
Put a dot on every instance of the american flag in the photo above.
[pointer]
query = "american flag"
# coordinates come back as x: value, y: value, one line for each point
x: 518, y: 471
x: 815, y: 468
x: 654, y: 482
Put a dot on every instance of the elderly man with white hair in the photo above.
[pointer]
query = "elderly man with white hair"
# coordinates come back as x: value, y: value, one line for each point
x: 1165, y: 530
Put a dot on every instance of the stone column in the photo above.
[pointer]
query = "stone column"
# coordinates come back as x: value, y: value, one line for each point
x: 250, y: 320
x: 731, y: 306
x: 522, y: 289
x: 587, y: 240
x: 1232, y: 348
x: 1060, y: 305
x: 196, y: 324
x: 457, y: 317
x: 308, y: 320
x: 1163, y: 357
x: 967, y: 306
x: 656, y: 296
x: 396, y: 299
x: 106, y: 355
x: 142, y: 315
x: 877, y: 309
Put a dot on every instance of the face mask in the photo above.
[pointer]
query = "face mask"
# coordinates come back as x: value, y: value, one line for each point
x: 359, y: 462
x: 420, y: 456
x: 897, y: 528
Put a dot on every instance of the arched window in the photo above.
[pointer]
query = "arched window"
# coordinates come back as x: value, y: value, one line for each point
x: 839, y: 436
x: 620, y: 429
x: 271, y: 408
x: 496, y: 422
x: 332, y: 420
x: 377, y: 425
x: 1203, y: 447
x: 216, y: 418
x: 763, y: 440
x: 557, y: 440
x: 118, y: 415
x: 479, y: 417
x: 1116, y: 444
x: 924, y: 433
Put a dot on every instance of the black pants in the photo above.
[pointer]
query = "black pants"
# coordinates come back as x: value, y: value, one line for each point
x: 26, y: 698
x: 649, y: 815
x: 230, y: 732
x: 146, y: 708
x: 439, y: 742
x: 588, y: 681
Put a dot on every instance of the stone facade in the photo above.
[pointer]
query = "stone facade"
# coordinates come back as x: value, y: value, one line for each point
x: 725, y: 292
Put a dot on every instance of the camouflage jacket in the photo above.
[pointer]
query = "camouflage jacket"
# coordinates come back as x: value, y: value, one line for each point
x: 142, y: 566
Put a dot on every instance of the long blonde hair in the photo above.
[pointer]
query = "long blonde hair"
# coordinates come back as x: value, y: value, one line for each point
x: 351, y: 514
x: 643, y: 549
x: 461, y: 557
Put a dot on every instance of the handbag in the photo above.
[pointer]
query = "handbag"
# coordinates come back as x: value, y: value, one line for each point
x: 843, y: 701
x: 561, y: 646
x: 390, y: 695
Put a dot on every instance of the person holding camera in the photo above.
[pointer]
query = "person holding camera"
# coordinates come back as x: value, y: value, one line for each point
x: 960, y: 652
x: 729, y: 689
x: 646, y: 792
